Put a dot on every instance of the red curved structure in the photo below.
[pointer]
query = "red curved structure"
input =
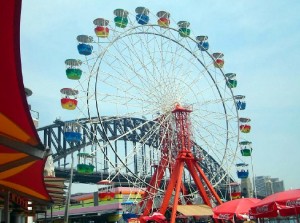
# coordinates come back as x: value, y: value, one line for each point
x: 22, y: 156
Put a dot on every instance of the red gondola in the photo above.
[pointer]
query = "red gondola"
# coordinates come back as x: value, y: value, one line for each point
x: 244, y: 126
x: 101, y: 29
x: 218, y: 60
x: 69, y: 101
x: 164, y: 19
x: 235, y: 191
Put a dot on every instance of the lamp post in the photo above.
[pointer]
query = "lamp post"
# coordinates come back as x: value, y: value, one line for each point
x: 253, y: 180
x: 66, y: 216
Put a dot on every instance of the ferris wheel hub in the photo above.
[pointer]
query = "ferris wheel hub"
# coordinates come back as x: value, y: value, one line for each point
x: 179, y: 108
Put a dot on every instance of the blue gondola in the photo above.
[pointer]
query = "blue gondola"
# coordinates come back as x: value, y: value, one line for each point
x: 242, y: 170
x: 203, y: 44
x: 142, y: 17
x: 240, y: 102
x: 72, y: 132
x: 84, y: 47
x: 127, y: 214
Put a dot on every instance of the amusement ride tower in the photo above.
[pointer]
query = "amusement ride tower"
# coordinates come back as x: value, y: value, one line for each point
x: 184, y: 159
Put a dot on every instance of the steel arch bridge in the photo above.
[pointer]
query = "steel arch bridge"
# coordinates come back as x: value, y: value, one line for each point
x: 111, y: 128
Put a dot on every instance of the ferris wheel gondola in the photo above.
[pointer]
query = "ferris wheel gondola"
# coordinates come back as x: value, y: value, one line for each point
x: 231, y: 81
x: 246, y: 148
x: 69, y: 98
x: 218, y: 60
x: 203, y: 44
x: 242, y: 170
x: 72, y: 131
x: 142, y: 16
x: 245, y: 127
x: 84, y: 45
x: 73, y: 70
x: 85, y: 164
x: 240, y: 102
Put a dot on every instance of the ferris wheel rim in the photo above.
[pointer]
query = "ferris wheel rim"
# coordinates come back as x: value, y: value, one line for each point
x: 116, y: 39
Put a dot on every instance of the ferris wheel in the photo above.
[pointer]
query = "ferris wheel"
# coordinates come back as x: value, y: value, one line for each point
x: 134, y: 71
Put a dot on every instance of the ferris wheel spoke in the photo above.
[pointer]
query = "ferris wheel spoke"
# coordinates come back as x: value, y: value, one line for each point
x: 129, y: 85
x: 211, y: 128
x: 152, y: 68
x: 135, y: 150
x: 140, y: 78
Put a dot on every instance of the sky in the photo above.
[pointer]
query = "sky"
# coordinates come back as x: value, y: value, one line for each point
x: 260, y: 41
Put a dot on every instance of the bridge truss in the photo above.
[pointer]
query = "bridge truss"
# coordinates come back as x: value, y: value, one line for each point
x: 113, y: 129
